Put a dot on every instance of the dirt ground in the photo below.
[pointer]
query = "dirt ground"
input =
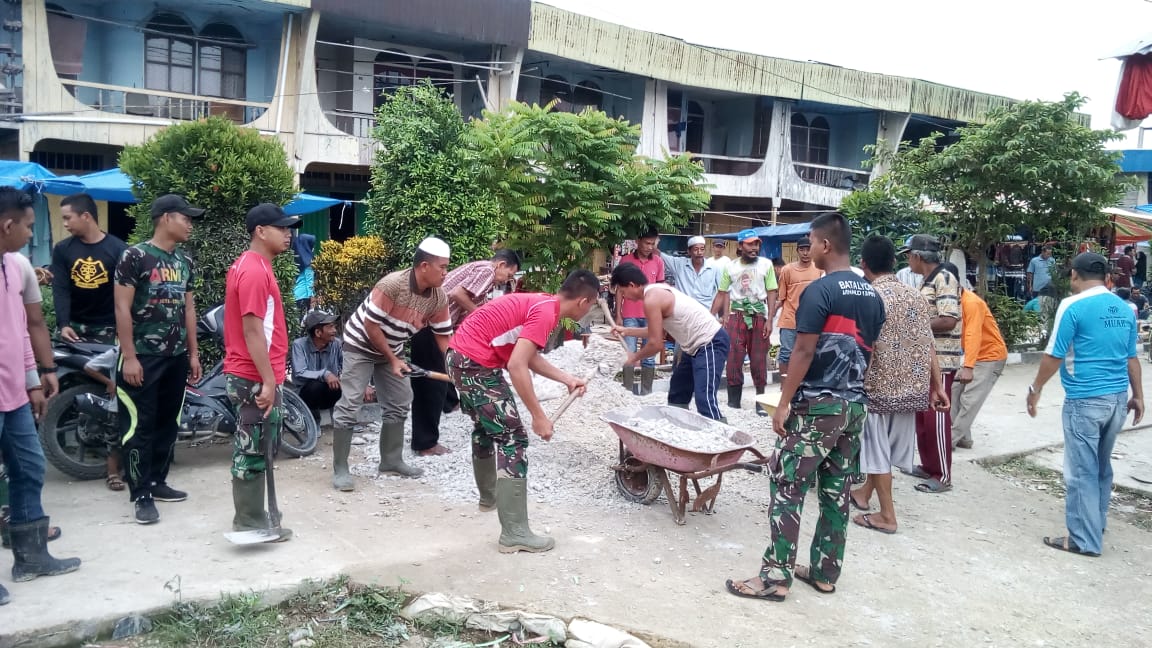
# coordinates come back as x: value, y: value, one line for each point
x: 966, y: 568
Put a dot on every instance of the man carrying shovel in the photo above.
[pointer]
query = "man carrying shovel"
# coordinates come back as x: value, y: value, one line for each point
x: 702, y: 339
x: 508, y: 333
x: 255, y: 364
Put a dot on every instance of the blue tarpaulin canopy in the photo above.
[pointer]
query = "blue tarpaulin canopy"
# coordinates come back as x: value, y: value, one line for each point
x: 113, y: 185
x: 773, y: 236
x: 23, y: 175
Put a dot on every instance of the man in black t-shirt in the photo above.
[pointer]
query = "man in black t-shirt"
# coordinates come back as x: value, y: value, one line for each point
x: 82, y: 269
x: 820, y: 416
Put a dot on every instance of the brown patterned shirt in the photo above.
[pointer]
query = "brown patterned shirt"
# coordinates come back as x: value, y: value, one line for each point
x: 900, y: 375
x: 942, y: 290
x: 400, y: 311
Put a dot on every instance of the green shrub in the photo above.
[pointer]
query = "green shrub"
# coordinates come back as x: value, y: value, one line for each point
x: 48, y: 306
x: 346, y: 272
x: 1017, y: 326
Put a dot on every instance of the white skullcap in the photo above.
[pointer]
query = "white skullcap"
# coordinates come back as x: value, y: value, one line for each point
x: 436, y: 247
x: 696, y: 240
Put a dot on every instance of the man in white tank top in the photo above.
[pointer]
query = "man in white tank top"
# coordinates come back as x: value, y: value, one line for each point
x: 703, y: 341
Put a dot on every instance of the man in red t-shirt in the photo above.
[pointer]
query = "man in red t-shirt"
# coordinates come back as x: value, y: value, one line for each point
x: 509, y: 333
x: 255, y: 360
x: 630, y: 313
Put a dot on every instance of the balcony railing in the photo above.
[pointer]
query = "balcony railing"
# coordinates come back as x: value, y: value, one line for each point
x: 829, y: 176
x: 728, y: 165
x: 353, y: 123
x: 162, y: 104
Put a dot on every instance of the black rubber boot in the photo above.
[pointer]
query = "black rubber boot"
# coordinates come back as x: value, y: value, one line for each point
x: 647, y: 376
x: 630, y: 379
x: 4, y: 596
x: 341, y: 446
x: 734, y: 393
x: 30, y: 548
x: 760, y: 410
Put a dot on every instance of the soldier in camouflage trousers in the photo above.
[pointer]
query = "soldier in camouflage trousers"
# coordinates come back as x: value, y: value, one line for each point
x: 487, y: 398
x: 248, y: 461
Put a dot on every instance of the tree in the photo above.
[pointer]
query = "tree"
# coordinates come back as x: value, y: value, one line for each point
x: 568, y: 184
x: 887, y: 209
x: 1032, y: 165
x: 226, y: 170
x: 346, y: 272
x: 420, y: 186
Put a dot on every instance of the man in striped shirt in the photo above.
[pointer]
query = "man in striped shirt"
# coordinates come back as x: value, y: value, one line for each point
x: 399, y: 305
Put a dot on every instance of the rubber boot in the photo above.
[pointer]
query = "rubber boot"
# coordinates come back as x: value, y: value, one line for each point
x: 734, y: 393
x: 392, y: 452
x: 512, y: 505
x: 630, y: 379
x: 760, y: 411
x: 683, y: 406
x: 484, y: 469
x: 30, y: 547
x: 647, y: 375
x: 248, y: 500
x: 341, y: 446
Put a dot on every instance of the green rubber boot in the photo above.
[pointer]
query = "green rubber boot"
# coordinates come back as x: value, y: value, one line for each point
x: 484, y: 469
x: 248, y: 500
x: 30, y: 549
x: 630, y: 379
x: 392, y: 452
x: 647, y: 376
x: 512, y: 505
x: 341, y: 446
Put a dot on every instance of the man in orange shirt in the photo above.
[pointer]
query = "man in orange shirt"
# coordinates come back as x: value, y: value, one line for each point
x: 984, y: 357
x: 793, y: 278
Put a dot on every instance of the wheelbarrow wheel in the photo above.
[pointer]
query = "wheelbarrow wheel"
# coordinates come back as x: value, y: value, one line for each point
x: 637, y: 481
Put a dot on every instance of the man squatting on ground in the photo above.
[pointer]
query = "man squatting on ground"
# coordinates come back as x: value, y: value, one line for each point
x: 1101, y: 331
x: 467, y: 288
x: 703, y: 341
x: 793, y: 279
x: 821, y: 412
x: 903, y: 378
x: 156, y: 328
x: 630, y: 314
x: 317, y: 358
x: 508, y: 333
x: 934, y: 428
x: 22, y: 401
x: 399, y: 306
x: 985, y: 355
x: 747, y: 288
x: 82, y: 289
x: 255, y: 360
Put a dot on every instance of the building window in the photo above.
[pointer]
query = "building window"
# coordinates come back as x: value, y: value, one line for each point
x: 169, y: 59
x: 223, y: 68
x: 685, y: 124
x: 586, y: 95
x: 555, y: 88
x: 395, y: 69
x: 810, y: 140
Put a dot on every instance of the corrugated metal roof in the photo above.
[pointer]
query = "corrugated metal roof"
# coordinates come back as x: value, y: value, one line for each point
x: 648, y: 54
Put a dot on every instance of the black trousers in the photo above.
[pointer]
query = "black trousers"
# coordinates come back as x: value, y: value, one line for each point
x: 149, y: 420
x: 317, y: 395
x: 429, y: 397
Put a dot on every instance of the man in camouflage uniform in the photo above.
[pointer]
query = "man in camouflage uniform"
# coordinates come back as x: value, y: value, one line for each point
x: 509, y: 333
x: 156, y: 327
x: 819, y: 418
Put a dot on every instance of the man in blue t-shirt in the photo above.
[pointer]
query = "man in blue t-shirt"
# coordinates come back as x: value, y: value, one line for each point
x: 820, y: 416
x: 1093, y: 344
x: 1039, y: 273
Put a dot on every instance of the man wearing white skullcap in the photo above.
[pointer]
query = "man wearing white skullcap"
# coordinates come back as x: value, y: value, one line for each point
x: 691, y: 274
x: 399, y: 305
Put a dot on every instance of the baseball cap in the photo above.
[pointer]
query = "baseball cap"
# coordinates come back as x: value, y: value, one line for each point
x: 169, y: 203
x: 804, y: 242
x: 1090, y: 263
x: 696, y: 240
x: 920, y: 243
x: 317, y: 318
x: 269, y: 215
x: 746, y: 235
x: 719, y: 243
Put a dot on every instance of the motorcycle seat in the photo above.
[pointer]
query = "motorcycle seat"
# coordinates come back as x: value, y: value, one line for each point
x: 87, y: 348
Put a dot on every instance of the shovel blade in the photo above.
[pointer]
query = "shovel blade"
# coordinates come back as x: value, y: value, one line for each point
x: 256, y: 536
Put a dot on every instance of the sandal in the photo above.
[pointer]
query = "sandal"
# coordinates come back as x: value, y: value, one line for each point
x: 741, y: 589
x: 856, y: 505
x: 806, y: 577
x: 933, y: 486
x: 114, y: 483
x: 917, y: 472
x: 54, y: 533
x: 1065, y: 543
x: 865, y: 521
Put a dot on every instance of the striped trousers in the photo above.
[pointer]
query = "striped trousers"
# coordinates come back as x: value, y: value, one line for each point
x: 934, y: 437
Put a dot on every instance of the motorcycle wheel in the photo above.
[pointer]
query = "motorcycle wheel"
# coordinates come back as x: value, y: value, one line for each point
x: 300, y: 431
x: 62, y: 445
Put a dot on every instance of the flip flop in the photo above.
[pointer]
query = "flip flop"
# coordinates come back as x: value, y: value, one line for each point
x: 933, y: 486
x: 867, y: 524
x: 807, y: 578
x: 917, y: 472
x: 1064, y: 543
x: 856, y: 505
x: 762, y: 595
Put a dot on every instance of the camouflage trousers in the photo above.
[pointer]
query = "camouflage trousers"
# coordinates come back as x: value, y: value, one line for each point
x: 98, y: 333
x: 487, y: 398
x: 248, y: 462
x: 821, y: 447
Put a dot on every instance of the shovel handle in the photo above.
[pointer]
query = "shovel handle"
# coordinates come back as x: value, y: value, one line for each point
x: 273, y: 510
x: 608, y: 316
x: 568, y: 400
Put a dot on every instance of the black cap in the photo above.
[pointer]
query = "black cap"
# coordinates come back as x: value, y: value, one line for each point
x: 317, y: 318
x: 1090, y: 263
x: 174, y: 203
x: 804, y: 242
x: 719, y: 243
x: 270, y: 215
x: 920, y: 243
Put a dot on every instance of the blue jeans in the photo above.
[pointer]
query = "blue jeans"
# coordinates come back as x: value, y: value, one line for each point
x: 636, y: 343
x: 1090, y: 429
x: 699, y: 375
x: 787, y: 341
x: 24, y: 461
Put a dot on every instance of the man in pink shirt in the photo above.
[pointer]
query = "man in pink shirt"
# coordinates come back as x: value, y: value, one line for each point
x: 21, y: 405
x: 509, y: 333
x: 630, y: 313
x: 255, y: 361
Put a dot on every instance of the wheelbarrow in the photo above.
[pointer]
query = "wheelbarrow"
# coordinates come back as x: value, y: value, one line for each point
x: 642, y: 474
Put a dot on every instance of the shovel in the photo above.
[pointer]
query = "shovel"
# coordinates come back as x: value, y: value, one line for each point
x: 608, y: 318
x: 260, y: 536
x: 418, y: 372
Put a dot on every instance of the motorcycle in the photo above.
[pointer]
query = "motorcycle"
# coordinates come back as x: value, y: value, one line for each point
x: 79, y: 426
